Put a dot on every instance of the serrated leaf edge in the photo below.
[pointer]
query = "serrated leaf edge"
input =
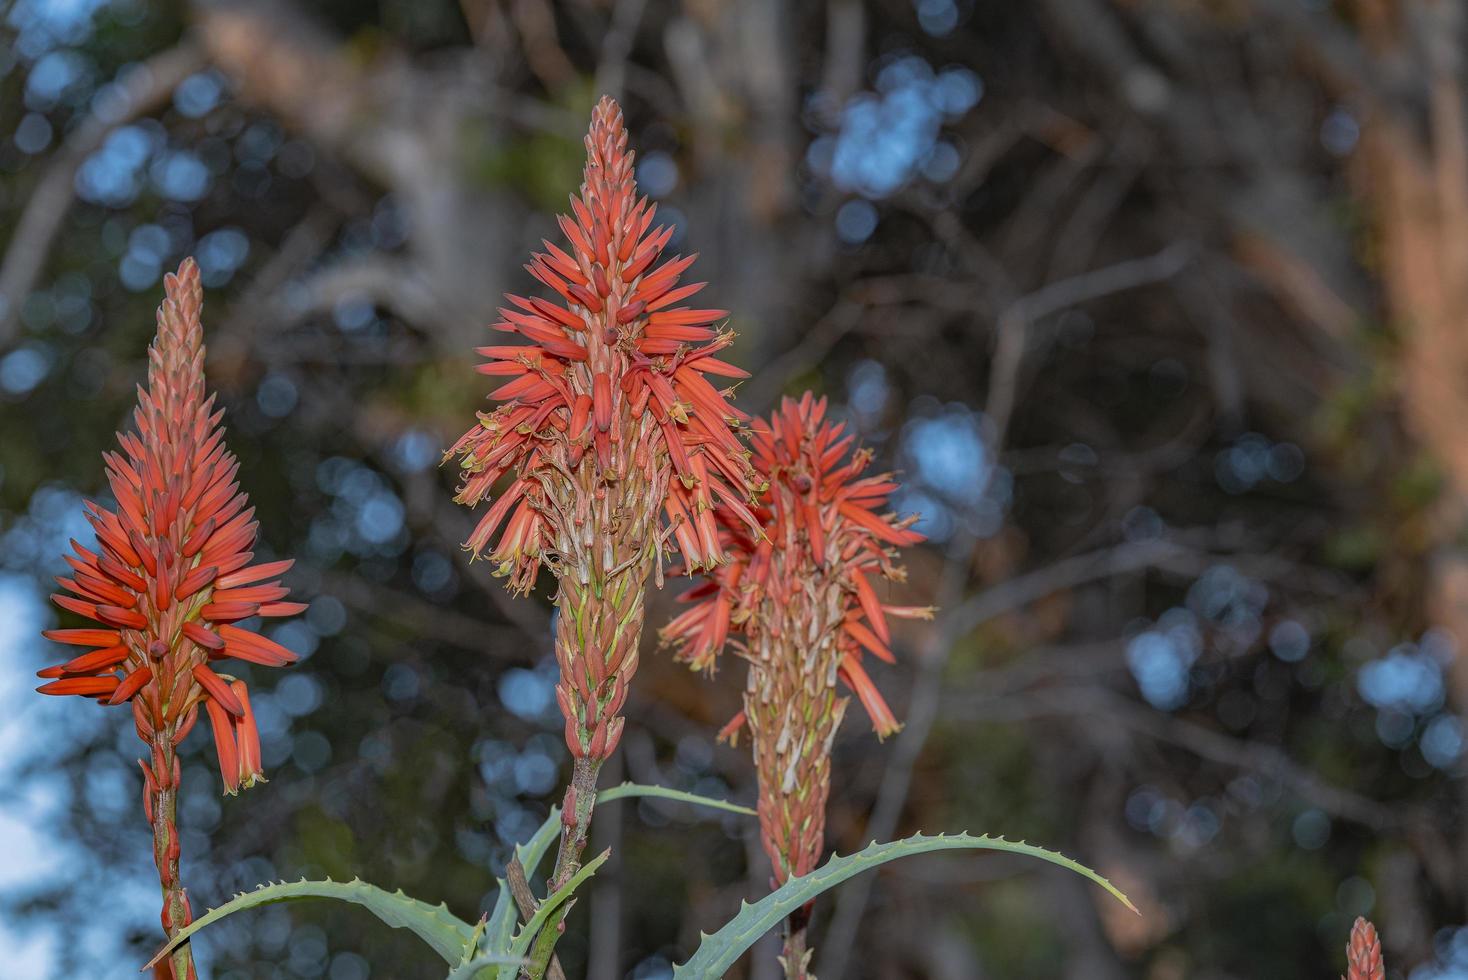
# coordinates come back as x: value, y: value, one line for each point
x: 434, y: 924
x: 521, y: 943
x: 717, y: 953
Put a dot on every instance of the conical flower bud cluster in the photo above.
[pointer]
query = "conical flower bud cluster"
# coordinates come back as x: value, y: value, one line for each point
x: 1363, y: 953
x: 169, y: 582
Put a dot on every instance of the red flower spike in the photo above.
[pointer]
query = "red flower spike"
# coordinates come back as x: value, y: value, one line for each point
x: 90, y: 663
x: 612, y: 443
x: 182, y: 532
x: 800, y: 606
x: 203, y: 637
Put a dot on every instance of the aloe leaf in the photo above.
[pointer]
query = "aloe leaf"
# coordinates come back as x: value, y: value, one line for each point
x: 434, y: 924
x: 469, y: 969
x: 502, y: 920
x: 472, y: 946
x: 717, y: 953
x: 532, y: 851
x: 521, y: 943
x: 626, y: 790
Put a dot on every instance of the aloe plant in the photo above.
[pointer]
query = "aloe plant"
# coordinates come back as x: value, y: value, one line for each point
x: 495, y: 948
x: 620, y: 454
x: 496, y: 941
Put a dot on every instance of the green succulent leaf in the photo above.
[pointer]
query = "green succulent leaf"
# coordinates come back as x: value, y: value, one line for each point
x: 717, y: 953
x: 521, y: 943
x: 627, y: 790
x: 452, y: 938
x: 532, y: 851
x: 505, y: 916
x: 472, y: 946
x: 434, y: 924
x: 470, y: 969
x: 500, y: 934
x: 502, y: 920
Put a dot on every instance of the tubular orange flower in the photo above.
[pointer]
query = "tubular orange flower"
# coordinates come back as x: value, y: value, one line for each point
x: 803, y: 612
x: 1363, y: 953
x: 615, y: 440
x: 170, y: 576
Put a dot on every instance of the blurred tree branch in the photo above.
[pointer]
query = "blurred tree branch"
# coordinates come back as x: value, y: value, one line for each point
x: 138, y: 92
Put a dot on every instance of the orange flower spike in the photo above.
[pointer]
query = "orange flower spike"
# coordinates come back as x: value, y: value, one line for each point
x: 800, y: 605
x: 168, y: 573
x: 581, y: 383
x: 607, y: 459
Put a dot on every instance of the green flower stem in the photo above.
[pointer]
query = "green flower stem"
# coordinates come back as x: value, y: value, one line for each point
x: 575, y: 831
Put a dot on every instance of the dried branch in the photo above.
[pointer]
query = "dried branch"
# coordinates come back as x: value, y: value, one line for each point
x: 1005, y: 373
x: 525, y: 902
x: 138, y: 92
x: 922, y: 711
x: 1079, y: 701
x: 616, y: 46
x: 760, y: 392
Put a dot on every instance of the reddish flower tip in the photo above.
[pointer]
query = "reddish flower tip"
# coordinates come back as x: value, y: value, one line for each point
x: 171, y: 568
x: 730, y: 732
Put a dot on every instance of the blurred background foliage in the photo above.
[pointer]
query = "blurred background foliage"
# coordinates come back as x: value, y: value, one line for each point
x: 1157, y: 306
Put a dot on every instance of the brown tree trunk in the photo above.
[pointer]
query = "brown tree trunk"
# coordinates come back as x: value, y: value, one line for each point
x: 1416, y: 185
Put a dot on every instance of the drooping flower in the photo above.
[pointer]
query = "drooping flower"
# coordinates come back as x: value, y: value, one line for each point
x: 821, y: 530
x: 1363, y: 953
x: 169, y: 581
x: 801, y: 606
x: 614, y: 437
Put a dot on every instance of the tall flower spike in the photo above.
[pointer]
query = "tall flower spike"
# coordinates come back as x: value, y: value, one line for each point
x: 168, y: 581
x: 803, y: 609
x: 615, y: 441
x: 1363, y: 953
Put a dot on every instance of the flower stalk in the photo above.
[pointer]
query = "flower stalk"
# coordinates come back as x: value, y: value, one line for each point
x: 168, y: 581
x: 162, y: 811
x: 617, y: 446
x: 801, y: 607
